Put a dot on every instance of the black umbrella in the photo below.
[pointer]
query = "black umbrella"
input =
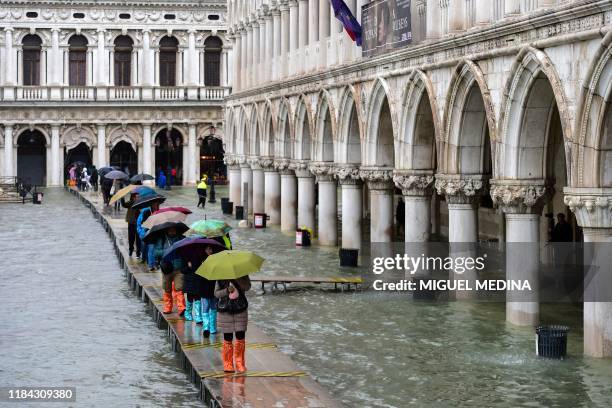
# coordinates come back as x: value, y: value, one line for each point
x: 141, y: 177
x: 147, y: 200
x: 116, y: 175
x: 106, y: 169
x: 159, y: 230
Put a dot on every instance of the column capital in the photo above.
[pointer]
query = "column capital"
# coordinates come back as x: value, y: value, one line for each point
x: 323, y: 171
x: 9, y: 29
x: 283, y: 166
x: 101, y: 127
x: 253, y: 161
x: 300, y: 167
x: 520, y: 196
x: 461, y: 188
x: 414, y: 183
x: 267, y: 163
x: 592, y: 206
x: 348, y: 174
x: 378, y: 178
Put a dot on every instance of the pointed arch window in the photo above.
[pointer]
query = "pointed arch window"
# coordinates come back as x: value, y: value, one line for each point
x: 77, y: 56
x: 124, y: 45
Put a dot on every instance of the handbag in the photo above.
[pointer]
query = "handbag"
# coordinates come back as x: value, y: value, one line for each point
x: 233, y: 306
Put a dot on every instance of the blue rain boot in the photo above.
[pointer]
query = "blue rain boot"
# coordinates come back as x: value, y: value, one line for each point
x: 212, y: 318
x: 205, y: 324
x: 188, y: 310
x: 197, y: 312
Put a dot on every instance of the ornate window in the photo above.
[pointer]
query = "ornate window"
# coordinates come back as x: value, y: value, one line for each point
x: 168, y: 48
x: 123, y: 60
x: 32, y: 46
x: 212, y: 61
x: 77, y: 56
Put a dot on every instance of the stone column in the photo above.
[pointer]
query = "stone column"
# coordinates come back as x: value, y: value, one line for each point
x: 288, y: 195
x: 249, y: 57
x: 55, y: 62
x: 102, y: 146
x: 246, y: 176
x: 522, y: 202
x: 269, y: 57
x: 235, y: 188
x: 350, y: 181
x: 313, y: 22
x: 193, y: 62
x: 258, y: 186
x: 456, y: 16
x: 8, y: 151
x: 323, y: 31
x: 255, y: 70
x: 462, y: 196
x: 417, y: 189
x: 102, y: 76
x: 306, y: 195
x: 264, y: 66
x: 272, y: 191
x: 56, y: 170
x: 380, y: 184
x: 483, y: 12
x: 244, y: 61
x: 328, y: 203
x: 302, y: 40
x: 9, y: 58
x: 148, y: 60
x: 238, y: 62
x: 284, y: 40
x: 277, y: 59
x: 192, y: 154
x: 593, y: 210
x: 146, y: 149
x: 512, y: 8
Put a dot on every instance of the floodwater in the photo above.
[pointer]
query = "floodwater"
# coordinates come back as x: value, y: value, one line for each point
x: 71, y: 320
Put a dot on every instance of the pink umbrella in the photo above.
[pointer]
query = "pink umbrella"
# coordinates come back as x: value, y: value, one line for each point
x: 177, y: 209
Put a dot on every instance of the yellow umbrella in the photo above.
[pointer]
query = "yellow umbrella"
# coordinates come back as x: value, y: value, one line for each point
x: 230, y: 265
x: 123, y: 192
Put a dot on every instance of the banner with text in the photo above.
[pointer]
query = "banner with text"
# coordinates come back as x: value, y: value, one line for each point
x: 386, y: 26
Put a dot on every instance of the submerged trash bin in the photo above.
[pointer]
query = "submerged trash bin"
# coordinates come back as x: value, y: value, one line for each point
x: 302, y: 237
x: 259, y: 220
x: 224, y: 202
x: 348, y: 257
x: 37, y: 197
x: 239, y: 212
x: 551, y: 341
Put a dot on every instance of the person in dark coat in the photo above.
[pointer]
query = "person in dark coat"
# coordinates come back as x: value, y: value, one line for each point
x: 131, y: 216
x: 400, y: 215
x: 94, y: 178
x: 106, y: 185
x: 562, y: 231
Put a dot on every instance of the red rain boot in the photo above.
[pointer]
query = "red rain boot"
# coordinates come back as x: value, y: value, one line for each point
x: 239, y: 356
x: 179, y: 298
x: 227, y: 353
x: 167, y: 302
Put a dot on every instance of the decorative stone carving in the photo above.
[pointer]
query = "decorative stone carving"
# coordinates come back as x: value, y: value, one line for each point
x: 283, y: 166
x: 348, y: 174
x: 267, y: 163
x: 323, y: 171
x: 414, y: 184
x: 253, y: 161
x: 592, y: 206
x: 378, y: 178
x: 300, y: 167
x: 520, y: 196
x: 461, y: 189
x: 231, y: 161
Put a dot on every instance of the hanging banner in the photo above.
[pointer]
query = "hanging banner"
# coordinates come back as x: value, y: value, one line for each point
x: 386, y: 26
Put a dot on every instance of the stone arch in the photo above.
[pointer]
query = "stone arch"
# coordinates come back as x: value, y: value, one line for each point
x: 230, y: 120
x: 268, y: 130
x: 73, y: 135
x: 284, y: 138
x: 350, y: 132
x: 533, y: 90
x: 122, y: 133
x: 593, y: 144
x: 242, y: 135
x: 303, y: 149
x: 324, y: 140
x: 114, y: 35
x: 469, y: 123
x: 380, y: 127
x: 420, y: 129
x: 255, y: 132
x: 32, y: 128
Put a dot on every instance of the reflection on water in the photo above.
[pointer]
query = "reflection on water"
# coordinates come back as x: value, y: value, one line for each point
x: 387, y: 351
x: 73, y: 321
x: 69, y: 317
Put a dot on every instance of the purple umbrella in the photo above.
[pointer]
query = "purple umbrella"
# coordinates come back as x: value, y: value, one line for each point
x: 191, y: 247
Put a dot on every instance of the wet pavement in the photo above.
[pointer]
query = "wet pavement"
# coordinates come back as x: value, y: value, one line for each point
x: 369, y: 350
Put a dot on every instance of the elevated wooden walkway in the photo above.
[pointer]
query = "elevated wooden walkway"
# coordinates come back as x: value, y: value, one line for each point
x: 275, y: 281
x: 272, y: 379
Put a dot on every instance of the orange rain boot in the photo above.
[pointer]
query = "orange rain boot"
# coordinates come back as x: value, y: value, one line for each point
x: 239, y: 356
x: 167, y: 302
x: 179, y: 298
x: 227, y: 353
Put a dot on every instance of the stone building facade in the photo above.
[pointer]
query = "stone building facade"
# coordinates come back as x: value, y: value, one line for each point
x: 497, y: 114
x: 138, y: 84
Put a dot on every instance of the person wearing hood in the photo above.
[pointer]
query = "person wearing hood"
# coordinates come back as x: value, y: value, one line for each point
x: 172, y: 277
x: 131, y: 216
x: 147, y: 249
x: 202, y: 187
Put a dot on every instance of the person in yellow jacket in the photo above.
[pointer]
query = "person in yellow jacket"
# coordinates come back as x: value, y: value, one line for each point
x: 202, y: 186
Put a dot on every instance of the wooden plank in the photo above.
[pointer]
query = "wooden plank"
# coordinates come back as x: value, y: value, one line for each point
x: 305, y: 279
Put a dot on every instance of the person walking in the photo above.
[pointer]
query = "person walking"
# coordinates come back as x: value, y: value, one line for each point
x: 201, y: 188
x: 172, y: 277
x: 107, y: 185
x: 94, y: 178
x: 131, y: 216
x: 147, y: 249
x: 233, y: 318
x: 400, y: 216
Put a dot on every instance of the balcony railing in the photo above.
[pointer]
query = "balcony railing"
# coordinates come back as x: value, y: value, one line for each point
x: 113, y: 93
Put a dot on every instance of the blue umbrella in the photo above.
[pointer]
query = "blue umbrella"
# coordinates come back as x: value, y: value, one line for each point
x: 190, y: 247
x: 143, y: 191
